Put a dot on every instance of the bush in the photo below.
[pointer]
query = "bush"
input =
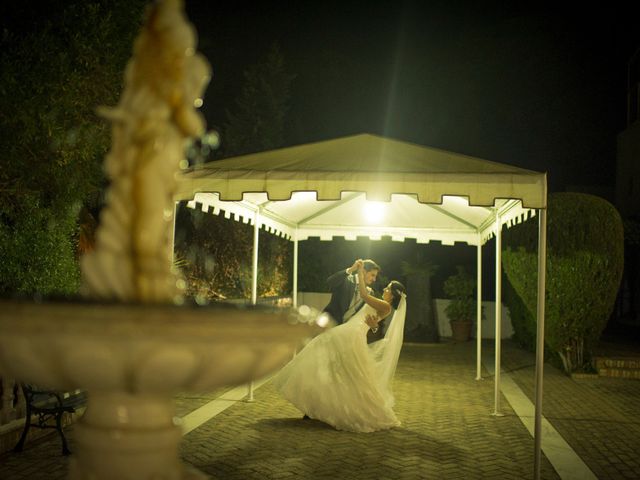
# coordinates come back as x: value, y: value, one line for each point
x: 584, y: 268
x: 38, y: 251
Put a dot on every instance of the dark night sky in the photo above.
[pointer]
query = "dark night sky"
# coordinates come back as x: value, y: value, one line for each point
x: 537, y: 88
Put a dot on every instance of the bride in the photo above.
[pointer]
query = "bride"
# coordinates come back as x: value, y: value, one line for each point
x: 339, y: 379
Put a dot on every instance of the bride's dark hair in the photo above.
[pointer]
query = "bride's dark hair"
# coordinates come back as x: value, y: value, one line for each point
x: 396, y: 289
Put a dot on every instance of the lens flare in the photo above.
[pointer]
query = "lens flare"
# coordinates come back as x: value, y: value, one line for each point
x: 323, y: 320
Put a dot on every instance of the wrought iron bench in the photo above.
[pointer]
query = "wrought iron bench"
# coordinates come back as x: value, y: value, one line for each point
x: 47, y: 405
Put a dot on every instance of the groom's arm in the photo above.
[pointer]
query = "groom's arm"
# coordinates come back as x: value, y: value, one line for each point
x: 336, y: 279
x: 340, y: 277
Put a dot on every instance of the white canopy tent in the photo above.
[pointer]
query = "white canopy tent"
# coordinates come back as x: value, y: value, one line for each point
x: 366, y: 185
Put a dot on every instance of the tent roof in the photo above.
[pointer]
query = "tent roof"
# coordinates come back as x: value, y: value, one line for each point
x: 366, y: 163
x: 324, y: 189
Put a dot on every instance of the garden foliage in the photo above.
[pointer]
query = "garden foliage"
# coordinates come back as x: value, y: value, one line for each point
x: 55, y: 69
x: 215, y: 255
x: 584, y: 268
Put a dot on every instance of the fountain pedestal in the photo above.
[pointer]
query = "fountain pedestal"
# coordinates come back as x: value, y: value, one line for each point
x: 128, y: 436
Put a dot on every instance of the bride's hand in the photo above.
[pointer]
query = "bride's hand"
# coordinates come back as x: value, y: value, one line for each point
x: 354, y: 268
x: 372, y: 321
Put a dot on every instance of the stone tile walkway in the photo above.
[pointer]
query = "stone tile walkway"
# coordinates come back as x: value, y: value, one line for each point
x: 447, y: 430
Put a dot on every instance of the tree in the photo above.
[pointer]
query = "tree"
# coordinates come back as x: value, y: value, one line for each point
x: 218, y: 251
x: 257, y: 121
x: 421, y: 324
x: 54, y: 71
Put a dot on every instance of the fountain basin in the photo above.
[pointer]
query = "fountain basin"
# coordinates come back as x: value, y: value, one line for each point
x: 145, y: 348
x: 131, y: 359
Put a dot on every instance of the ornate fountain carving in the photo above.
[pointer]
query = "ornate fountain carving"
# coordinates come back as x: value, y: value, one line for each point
x: 164, y: 83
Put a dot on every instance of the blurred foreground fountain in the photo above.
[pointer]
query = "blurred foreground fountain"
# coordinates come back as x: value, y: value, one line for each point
x: 133, y: 344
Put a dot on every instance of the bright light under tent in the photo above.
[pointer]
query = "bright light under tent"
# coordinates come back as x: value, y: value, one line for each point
x: 374, y: 212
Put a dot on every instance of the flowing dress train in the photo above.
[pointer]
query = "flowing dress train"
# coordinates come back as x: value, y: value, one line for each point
x: 339, y: 379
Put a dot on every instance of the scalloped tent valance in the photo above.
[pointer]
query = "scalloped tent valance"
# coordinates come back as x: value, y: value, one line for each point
x: 353, y: 216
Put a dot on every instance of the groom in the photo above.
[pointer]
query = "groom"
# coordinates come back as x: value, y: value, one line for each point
x: 345, y: 296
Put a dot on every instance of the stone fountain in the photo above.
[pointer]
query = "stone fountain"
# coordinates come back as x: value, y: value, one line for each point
x: 132, y: 342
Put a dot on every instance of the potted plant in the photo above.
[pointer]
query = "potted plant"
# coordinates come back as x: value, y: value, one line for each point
x: 462, y: 307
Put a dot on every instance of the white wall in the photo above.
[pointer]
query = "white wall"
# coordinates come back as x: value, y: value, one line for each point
x: 314, y: 299
x: 488, y: 323
x: 320, y: 300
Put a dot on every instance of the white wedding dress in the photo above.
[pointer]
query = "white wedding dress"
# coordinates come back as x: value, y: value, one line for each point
x: 339, y: 379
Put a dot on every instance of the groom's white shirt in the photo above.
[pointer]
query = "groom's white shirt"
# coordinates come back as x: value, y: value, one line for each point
x: 356, y: 302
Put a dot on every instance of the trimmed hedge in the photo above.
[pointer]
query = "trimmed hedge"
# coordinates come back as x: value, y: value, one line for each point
x: 522, y: 321
x: 584, y: 267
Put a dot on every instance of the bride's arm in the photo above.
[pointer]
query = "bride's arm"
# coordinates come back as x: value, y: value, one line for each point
x: 381, y: 307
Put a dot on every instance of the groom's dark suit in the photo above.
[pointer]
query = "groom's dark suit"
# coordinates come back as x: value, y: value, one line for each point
x: 343, y: 287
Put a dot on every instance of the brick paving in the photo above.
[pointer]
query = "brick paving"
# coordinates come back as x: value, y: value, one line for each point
x: 447, y: 430
x: 188, y: 402
x: 599, y: 416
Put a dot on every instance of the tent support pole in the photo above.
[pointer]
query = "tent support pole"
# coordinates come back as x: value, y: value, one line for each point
x: 250, y: 393
x: 498, y: 340
x: 542, y: 268
x: 173, y: 233
x: 254, y: 277
x: 295, y: 271
x: 254, y: 263
x: 479, y: 312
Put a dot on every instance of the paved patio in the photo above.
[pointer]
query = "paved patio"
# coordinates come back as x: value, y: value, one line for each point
x: 447, y: 430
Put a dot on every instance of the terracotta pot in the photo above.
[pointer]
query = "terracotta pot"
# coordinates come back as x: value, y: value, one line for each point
x: 461, y: 330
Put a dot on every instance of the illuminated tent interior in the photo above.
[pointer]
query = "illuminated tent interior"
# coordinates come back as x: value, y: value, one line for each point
x: 367, y: 185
